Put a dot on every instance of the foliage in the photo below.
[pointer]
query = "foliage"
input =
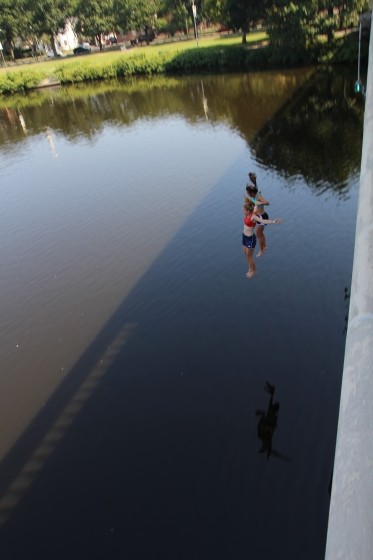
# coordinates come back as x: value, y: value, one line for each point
x: 211, y: 59
x: 12, y: 82
x: 178, y: 14
x: 240, y: 13
x: 215, y: 11
x: 296, y: 29
x: 291, y: 33
x: 346, y: 50
x: 95, y: 17
x: 176, y: 58
x: 135, y: 14
x: 49, y: 17
x: 81, y: 90
x: 340, y: 14
x: 217, y: 60
x: 141, y: 65
x: 161, y: 25
x: 123, y: 66
x: 14, y: 22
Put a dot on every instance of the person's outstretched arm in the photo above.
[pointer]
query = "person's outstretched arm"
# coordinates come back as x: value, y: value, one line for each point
x: 261, y: 221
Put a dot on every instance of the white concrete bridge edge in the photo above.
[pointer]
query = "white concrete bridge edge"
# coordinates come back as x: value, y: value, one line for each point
x: 350, y: 528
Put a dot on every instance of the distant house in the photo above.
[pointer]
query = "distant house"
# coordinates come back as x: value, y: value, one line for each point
x: 68, y: 39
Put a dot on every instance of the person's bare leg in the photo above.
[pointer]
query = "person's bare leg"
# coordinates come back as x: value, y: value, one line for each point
x: 252, y: 266
x: 261, y: 240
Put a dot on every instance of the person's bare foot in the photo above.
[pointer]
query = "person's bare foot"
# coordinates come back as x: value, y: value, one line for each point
x: 250, y: 274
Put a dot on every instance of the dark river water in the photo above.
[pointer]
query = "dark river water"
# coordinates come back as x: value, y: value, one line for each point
x: 156, y: 404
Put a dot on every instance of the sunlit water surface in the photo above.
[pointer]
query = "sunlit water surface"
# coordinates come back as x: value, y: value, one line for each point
x: 135, y: 353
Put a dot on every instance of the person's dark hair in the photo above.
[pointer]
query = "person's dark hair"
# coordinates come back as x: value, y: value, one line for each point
x: 252, y: 177
x: 252, y: 189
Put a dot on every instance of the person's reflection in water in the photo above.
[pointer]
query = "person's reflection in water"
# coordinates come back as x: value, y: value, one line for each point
x: 347, y: 300
x: 268, y: 423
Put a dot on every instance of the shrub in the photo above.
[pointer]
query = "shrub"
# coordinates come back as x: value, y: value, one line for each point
x: 12, y: 82
x: 233, y: 59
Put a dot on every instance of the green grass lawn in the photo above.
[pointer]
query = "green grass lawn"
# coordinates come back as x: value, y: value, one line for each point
x: 110, y: 56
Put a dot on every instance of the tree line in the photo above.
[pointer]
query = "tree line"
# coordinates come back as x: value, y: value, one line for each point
x: 294, y: 28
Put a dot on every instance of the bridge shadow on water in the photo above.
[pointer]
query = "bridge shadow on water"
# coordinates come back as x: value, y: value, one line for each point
x: 148, y: 449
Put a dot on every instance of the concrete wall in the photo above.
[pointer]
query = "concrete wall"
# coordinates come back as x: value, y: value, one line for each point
x: 350, y: 530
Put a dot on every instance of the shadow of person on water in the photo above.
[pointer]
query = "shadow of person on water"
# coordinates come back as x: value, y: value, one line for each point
x: 267, y: 425
x: 347, y: 296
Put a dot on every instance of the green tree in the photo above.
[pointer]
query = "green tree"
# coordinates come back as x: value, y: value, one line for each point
x: 215, y: 10
x: 292, y: 29
x: 136, y: 14
x: 241, y: 14
x: 339, y: 14
x: 295, y: 28
x: 179, y: 14
x: 15, y: 22
x: 94, y: 18
x: 49, y: 17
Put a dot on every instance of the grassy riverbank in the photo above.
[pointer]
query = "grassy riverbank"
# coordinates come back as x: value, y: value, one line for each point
x: 223, y: 54
x: 152, y: 59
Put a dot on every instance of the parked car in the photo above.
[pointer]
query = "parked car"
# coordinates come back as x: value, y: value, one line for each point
x: 82, y: 49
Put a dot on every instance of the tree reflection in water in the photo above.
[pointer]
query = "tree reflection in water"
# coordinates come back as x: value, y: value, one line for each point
x: 318, y: 124
x: 300, y: 122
